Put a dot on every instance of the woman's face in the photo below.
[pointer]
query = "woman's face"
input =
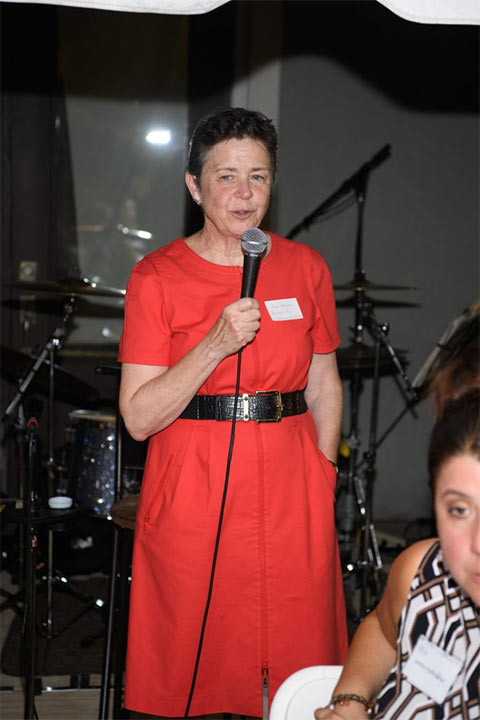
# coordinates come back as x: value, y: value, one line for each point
x: 234, y: 188
x: 457, y: 510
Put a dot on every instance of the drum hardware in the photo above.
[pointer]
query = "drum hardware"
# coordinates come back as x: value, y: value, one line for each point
x: 38, y: 368
x: 41, y: 371
x: 359, y: 356
x: 134, y: 232
x: 351, y: 302
x: 371, y: 556
x: 359, y: 545
x: 123, y: 229
x: 463, y: 329
x: 356, y: 362
x: 50, y: 305
x: 71, y: 287
x: 30, y: 545
x: 116, y: 552
x: 69, y: 388
x: 361, y: 284
x: 30, y: 515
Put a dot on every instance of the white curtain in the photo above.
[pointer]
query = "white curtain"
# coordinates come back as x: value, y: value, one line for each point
x: 450, y: 12
x: 169, y: 7
x: 466, y: 12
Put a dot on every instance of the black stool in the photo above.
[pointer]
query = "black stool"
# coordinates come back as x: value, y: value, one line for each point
x: 124, y: 513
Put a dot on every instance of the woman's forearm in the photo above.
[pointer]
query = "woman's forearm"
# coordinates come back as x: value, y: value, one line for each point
x: 158, y: 401
x: 366, y: 668
x: 324, y: 397
x: 370, y: 659
x: 151, y: 398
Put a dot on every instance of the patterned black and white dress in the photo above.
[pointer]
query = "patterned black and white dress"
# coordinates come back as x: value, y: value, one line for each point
x: 438, y: 609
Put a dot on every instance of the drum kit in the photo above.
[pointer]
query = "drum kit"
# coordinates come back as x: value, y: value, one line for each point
x: 89, y: 469
x: 90, y: 433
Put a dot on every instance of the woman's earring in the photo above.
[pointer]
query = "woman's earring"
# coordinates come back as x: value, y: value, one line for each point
x: 198, y: 201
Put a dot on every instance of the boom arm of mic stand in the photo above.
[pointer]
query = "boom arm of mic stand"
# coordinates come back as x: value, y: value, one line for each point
x: 350, y: 184
x: 53, y: 341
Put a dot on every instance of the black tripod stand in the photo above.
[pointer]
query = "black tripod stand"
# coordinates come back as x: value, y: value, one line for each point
x: 356, y: 532
x: 31, y: 513
x: 360, y: 550
x: 31, y: 516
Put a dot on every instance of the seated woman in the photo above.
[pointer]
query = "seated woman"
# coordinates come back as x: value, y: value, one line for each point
x: 417, y: 655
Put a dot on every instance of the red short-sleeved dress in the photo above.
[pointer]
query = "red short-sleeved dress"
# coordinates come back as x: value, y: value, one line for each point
x: 277, y: 601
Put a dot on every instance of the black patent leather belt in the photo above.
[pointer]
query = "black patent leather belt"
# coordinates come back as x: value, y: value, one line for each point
x: 268, y: 406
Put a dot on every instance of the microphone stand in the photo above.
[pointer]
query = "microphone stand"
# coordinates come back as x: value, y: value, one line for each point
x: 370, y: 550
x: 358, y: 182
x: 46, y: 354
x: 54, y: 342
x: 30, y: 544
x: 355, y: 496
x: 349, y: 184
x: 116, y: 550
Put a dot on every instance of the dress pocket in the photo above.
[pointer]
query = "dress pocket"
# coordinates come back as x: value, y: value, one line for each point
x: 154, y: 489
x: 330, y: 472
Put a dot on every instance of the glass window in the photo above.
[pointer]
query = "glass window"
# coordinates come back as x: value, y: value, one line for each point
x: 125, y: 82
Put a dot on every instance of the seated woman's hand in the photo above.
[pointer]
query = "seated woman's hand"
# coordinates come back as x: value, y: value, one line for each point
x: 236, y: 327
x: 354, y: 711
x: 326, y: 714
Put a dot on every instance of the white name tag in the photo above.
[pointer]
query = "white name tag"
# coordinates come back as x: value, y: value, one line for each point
x: 431, y: 670
x: 286, y: 309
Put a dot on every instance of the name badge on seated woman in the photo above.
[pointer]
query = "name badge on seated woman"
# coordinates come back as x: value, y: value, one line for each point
x: 431, y: 670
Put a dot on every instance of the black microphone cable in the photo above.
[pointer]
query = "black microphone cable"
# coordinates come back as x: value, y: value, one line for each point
x: 219, y: 532
x: 254, y: 243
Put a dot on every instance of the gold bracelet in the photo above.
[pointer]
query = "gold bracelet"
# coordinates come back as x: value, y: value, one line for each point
x: 345, y: 698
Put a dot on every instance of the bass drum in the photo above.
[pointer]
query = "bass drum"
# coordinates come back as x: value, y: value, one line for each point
x: 90, y: 454
x: 91, y: 438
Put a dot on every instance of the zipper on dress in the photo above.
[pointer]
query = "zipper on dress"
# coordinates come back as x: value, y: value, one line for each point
x: 262, y: 546
x: 264, y: 693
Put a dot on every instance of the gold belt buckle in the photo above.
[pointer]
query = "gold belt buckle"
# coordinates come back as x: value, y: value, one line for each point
x: 245, y: 407
x: 278, y: 404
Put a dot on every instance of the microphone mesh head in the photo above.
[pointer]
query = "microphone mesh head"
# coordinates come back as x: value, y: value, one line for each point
x: 254, y: 241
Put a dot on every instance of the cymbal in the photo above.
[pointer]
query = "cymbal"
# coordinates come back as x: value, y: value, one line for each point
x: 135, y: 232
x: 71, y: 286
x: 352, y: 302
x: 53, y: 305
x: 363, y: 285
x: 67, y: 387
x: 127, y: 231
x: 359, y: 356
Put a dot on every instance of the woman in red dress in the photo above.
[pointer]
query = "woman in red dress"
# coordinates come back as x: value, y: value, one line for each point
x: 277, y: 599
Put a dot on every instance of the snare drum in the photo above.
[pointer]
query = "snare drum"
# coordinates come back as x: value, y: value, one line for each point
x: 92, y: 460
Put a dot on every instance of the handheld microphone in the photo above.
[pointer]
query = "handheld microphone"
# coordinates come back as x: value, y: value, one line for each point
x: 254, y: 243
